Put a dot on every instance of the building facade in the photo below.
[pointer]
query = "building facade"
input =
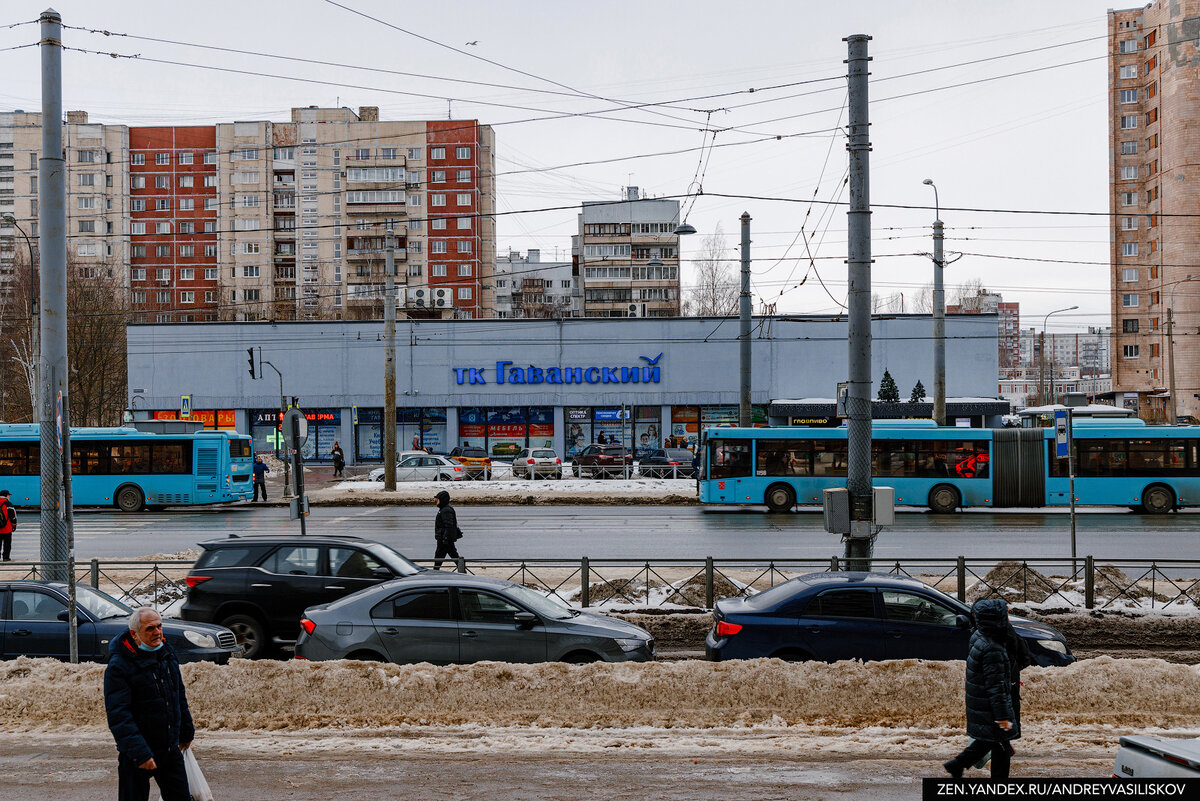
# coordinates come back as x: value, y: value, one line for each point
x: 526, y: 286
x: 1154, y: 172
x: 1008, y: 321
x: 509, y: 384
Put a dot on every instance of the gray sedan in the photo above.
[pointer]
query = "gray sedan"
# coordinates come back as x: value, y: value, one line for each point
x: 447, y: 618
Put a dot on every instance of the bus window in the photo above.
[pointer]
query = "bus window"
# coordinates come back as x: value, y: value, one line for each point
x: 88, y: 458
x: 893, y: 458
x: 239, y: 448
x: 729, y: 458
x: 13, y: 461
x: 783, y: 457
x: 829, y: 457
x: 1147, y: 456
x: 129, y: 459
x: 169, y: 458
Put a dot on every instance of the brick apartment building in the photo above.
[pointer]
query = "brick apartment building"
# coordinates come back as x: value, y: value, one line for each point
x: 1008, y: 317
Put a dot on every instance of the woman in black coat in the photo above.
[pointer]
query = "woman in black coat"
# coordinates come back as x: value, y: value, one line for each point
x: 993, y: 717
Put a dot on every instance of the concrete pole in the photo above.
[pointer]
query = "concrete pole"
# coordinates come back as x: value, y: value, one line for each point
x: 1171, y: 416
x: 52, y: 244
x: 389, y: 370
x: 939, y: 327
x: 858, y: 402
x: 744, y: 334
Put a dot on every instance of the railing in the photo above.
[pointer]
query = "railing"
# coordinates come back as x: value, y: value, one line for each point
x: 666, y: 584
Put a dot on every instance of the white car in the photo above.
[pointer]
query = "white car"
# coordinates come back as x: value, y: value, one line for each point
x: 537, y: 462
x: 424, y: 467
x: 1141, y: 757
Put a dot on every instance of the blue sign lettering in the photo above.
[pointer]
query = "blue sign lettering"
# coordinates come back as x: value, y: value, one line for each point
x: 650, y: 373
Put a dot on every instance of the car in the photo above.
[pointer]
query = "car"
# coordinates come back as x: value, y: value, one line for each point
x: 447, y: 618
x: 667, y: 463
x: 604, y: 461
x: 1142, y: 757
x: 424, y: 467
x: 534, y: 462
x: 259, y: 586
x: 476, y: 460
x: 828, y: 617
x: 34, y: 623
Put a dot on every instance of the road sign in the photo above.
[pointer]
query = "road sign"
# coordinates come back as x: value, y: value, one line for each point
x: 1061, y: 438
x: 58, y: 419
x: 302, y: 422
x: 185, y: 407
x: 843, y: 392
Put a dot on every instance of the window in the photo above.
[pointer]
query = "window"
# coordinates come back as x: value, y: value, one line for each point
x: 427, y: 605
x: 294, y: 560
x: 162, y: 251
x: 1152, y: 141
x: 387, y: 152
x: 1129, y: 300
x: 464, y: 293
x: 210, y: 181
x: 186, y: 158
x: 186, y: 180
x: 250, y: 248
x: 1129, y: 274
x: 137, y: 228
x: 187, y: 252
x: 387, y: 196
x: 210, y: 296
x: 566, y: 283
x: 1152, y: 168
x: 250, y: 271
x: 1129, y: 223
x: 437, y: 270
x: 414, y: 246
x: 138, y: 182
x: 138, y: 297
x: 463, y: 153
x: 245, y: 154
x: 1129, y: 71
x: 187, y: 297
x: 162, y: 228
x: 187, y: 204
x: 210, y: 252
x: 86, y: 203
x: 437, y: 153
x: 162, y: 274
x: 87, y: 156
x: 352, y: 563
x: 87, y: 226
x: 251, y: 294
x: 1151, y: 38
x: 137, y: 158
x: 843, y: 603
x: 362, y: 153
x: 1129, y: 248
x: 1128, y: 95
x: 1129, y: 351
x: 464, y: 223
x: 1128, y: 148
x: 248, y: 225
x: 1130, y: 199
x: 1152, y: 116
x: 162, y: 158
x: 1129, y: 172
x: 464, y: 176
x: 1129, y: 326
x: 1151, y: 64
x: 414, y: 269
x: 162, y: 204
x: 414, y: 199
x: 87, y: 179
x: 437, y: 199
x: 1129, y: 121
x: 908, y: 607
x: 38, y: 607
x: 464, y: 270
x: 210, y: 227
x: 210, y: 158
x: 483, y: 607
x: 437, y: 246
x: 285, y: 154
x: 414, y: 153
x: 437, y: 176
x: 438, y: 224
x: 138, y: 273
x: 377, y: 174
x: 1129, y: 46
x: 88, y: 250
x: 464, y: 199
x: 464, y: 246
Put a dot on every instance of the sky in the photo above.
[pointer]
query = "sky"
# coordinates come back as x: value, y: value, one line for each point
x: 1003, y: 105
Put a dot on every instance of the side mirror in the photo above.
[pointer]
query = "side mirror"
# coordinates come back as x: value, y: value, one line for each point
x: 525, y: 620
x: 64, y: 615
x: 962, y: 621
x: 382, y: 573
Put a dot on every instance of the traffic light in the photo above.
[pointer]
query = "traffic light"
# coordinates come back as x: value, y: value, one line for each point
x: 251, y: 352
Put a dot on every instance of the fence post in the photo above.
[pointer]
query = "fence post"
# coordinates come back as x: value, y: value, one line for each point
x: 708, y: 582
x: 1089, y: 582
x: 585, y: 582
x: 95, y: 577
x: 833, y: 564
x: 460, y: 564
x: 961, y: 569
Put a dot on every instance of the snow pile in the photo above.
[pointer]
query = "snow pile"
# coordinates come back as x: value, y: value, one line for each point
x: 298, y: 695
x: 515, y: 491
x: 1019, y: 583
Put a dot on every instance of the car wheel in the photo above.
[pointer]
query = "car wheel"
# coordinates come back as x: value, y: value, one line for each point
x: 130, y: 499
x: 580, y: 658
x: 1158, y: 500
x: 780, y: 498
x: 250, y: 634
x: 944, y: 500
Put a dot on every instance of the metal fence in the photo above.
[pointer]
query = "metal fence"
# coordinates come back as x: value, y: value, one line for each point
x: 665, y: 584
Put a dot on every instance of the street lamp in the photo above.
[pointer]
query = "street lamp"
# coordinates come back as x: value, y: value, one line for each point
x: 35, y: 351
x: 1171, y: 345
x: 939, y: 314
x: 1042, y: 382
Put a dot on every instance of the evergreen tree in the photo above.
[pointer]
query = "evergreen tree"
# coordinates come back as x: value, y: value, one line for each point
x: 918, y: 393
x: 888, y: 393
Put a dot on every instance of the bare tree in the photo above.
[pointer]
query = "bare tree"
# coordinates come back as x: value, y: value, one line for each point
x: 715, y: 292
x: 888, y: 304
x: 922, y: 300
x: 965, y: 294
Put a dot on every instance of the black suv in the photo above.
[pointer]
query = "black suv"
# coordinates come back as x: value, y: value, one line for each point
x: 259, y: 586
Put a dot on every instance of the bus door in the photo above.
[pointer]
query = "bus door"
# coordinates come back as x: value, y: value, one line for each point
x: 731, y: 471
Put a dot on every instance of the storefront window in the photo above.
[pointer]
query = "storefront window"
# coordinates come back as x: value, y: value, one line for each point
x: 421, y: 429
x: 610, y: 426
x: 685, y: 427
x: 506, y: 431
x: 541, y: 427
x: 368, y: 436
x: 324, y: 428
x: 579, y: 429
x: 264, y: 430
x: 646, y: 434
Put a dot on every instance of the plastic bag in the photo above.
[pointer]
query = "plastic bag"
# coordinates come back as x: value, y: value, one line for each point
x: 197, y: 785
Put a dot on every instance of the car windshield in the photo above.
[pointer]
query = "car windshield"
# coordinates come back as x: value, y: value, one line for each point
x: 399, y: 564
x: 545, y: 606
x: 473, y: 453
x: 99, y: 605
x: 543, y: 454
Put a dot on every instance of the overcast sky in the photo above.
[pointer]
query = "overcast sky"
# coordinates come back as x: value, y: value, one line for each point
x: 1035, y: 141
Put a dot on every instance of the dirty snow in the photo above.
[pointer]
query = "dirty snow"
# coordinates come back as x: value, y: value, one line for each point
x: 504, y: 490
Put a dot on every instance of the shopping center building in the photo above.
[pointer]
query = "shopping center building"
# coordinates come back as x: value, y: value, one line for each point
x: 508, y: 384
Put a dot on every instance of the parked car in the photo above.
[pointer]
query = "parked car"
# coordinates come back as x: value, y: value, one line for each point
x: 869, y: 616
x: 603, y: 461
x: 667, y: 463
x: 476, y: 460
x: 34, y: 622
x: 424, y: 467
x: 1141, y: 757
x: 258, y: 587
x: 447, y: 618
x: 537, y: 462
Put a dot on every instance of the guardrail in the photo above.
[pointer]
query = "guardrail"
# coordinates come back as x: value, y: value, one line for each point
x: 665, y: 584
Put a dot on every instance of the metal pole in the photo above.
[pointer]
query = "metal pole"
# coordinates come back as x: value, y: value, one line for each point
x: 744, y: 334
x: 389, y: 370
x: 1044, y: 384
x: 299, y: 468
x: 1071, y: 473
x: 939, y: 325
x: 52, y: 244
x: 858, y: 402
x: 1171, y: 416
x: 1042, y: 371
x: 287, y: 483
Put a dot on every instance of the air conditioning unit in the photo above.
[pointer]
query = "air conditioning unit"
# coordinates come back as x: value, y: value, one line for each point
x: 419, y: 296
x: 633, y: 310
x: 443, y: 297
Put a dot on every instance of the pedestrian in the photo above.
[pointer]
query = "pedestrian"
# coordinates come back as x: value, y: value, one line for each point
x: 993, y: 718
x: 445, y: 530
x: 260, y: 478
x: 8, y: 524
x: 339, y: 460
x: 601, y: 439
x: 147, y: 710
x: 416, y: 442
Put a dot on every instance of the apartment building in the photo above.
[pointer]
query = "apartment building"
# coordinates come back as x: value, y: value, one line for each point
x: 627, y: 253
x: 526, y: 286
x: 1154, y: 172
x: 1008, y: 320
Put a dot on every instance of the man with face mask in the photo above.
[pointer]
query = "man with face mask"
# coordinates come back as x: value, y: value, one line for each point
x: 147, y: 711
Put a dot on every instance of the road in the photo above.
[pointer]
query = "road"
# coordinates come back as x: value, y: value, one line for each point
x: 642, y: 532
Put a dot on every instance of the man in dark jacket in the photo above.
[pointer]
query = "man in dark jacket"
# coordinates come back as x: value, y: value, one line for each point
x: 991, y: 715
x: 147, y: 711
x: 445, y: 530
x: 260, y: 477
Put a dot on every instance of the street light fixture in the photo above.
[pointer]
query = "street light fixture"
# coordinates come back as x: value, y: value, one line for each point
x: 939, y: 313
x: 34, y: 323
x: 1174, y: 416
x: 1042, y: 382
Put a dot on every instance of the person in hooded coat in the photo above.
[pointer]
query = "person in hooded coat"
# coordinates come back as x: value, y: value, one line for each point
x: 445, y: 530
x: 992, y: 714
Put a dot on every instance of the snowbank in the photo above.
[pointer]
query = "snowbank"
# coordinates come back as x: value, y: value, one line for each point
x: 299, y: 696
x: 515, y: 491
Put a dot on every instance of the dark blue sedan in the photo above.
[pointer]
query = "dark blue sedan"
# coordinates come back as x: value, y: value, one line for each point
x: 867, y: 616
x: 33, y: 622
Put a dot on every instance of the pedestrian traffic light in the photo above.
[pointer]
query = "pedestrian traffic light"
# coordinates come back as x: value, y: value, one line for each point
x: 251, y: 352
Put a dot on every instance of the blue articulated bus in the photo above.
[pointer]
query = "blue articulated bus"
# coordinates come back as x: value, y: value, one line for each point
x: 130, y: 469
x: 1155, y: 469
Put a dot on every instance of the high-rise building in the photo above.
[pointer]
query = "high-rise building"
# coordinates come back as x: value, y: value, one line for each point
x: 1008, y: 321
x: 628, y: 257
x: 526, y: 286
x: 1154, y: 173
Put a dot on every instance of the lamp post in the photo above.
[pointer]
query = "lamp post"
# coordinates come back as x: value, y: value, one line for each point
x: 35, y: 351
x: 939, y: 314
x: 1042, y: 381
x: 1171, y: 346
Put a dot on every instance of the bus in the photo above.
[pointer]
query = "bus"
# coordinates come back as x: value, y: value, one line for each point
x: 131, y: 469
x: 1154, y: 469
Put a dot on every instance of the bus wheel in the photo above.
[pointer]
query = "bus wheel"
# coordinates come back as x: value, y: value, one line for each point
x: 130, y: 499
x: 944, y: 500
x: 1158, y: 500
x: 780, y: 498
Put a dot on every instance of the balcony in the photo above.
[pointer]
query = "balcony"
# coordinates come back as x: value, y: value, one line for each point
x: 285, y: 272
